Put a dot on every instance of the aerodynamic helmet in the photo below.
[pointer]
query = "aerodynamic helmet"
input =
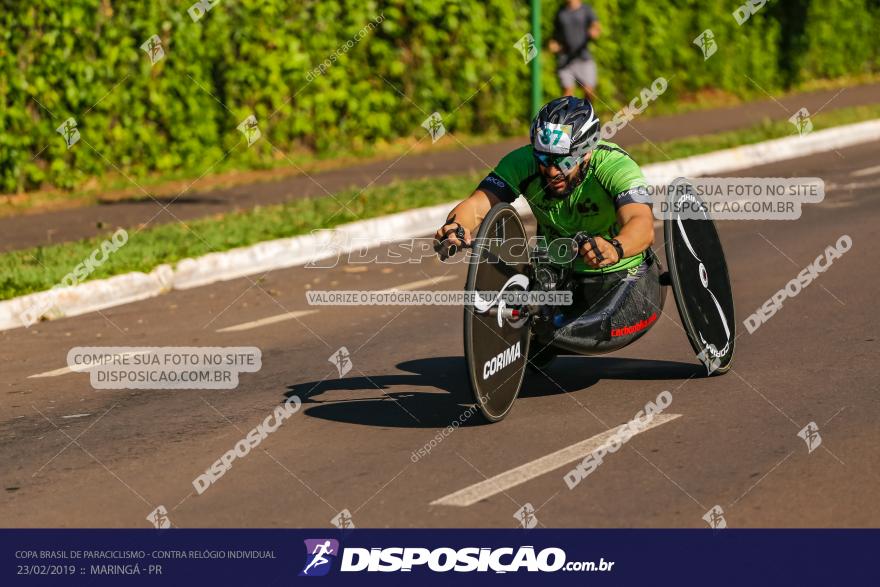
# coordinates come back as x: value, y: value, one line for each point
x: 566, y: 126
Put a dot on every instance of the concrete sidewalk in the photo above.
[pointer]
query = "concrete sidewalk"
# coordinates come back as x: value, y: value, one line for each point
x: 77, y: 223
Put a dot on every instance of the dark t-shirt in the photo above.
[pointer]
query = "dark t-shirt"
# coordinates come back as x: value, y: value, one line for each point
x: 571, y: 32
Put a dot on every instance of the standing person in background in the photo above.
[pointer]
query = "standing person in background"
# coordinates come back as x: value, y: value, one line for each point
x: 576, y: 25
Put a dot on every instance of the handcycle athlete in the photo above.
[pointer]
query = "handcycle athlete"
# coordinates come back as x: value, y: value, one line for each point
x: 586, y: 189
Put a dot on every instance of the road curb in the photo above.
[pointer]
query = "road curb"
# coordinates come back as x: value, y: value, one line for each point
x: 267, y: 256
x: 739, y: 158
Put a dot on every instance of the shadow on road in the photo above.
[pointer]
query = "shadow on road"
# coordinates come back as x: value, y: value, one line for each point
x: 408, y: 409
x: 138, y: 200
x: 572, y: 373
x: 413, y: 408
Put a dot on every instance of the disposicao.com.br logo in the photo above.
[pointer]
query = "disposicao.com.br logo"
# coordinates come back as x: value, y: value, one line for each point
x: 442, y: 560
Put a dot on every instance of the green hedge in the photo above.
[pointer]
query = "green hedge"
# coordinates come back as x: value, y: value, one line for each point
x: 784, y: 43
x: 255, y: 57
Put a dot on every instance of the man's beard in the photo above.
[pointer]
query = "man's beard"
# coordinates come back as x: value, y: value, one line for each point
x: 572, y: 180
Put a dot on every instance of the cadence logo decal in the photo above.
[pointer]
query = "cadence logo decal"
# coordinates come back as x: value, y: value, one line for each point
x: 638, y: 327
x: 496, y: 180
x: 502, y: 360
x: 498, y: 560
x: 320, y: 554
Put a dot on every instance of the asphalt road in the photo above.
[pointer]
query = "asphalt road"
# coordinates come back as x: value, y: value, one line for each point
x: 73, y: 456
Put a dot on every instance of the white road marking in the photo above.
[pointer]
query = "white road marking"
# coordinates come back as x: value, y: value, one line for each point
x: 55, y: 373
x: 297, y: 314
x: 527, y: 472
x: 82, y: 369
x: 866, y: 171
x: 421, y: 283
x: 265, y: 321
x: 272, y: 319
x: 75, y: 416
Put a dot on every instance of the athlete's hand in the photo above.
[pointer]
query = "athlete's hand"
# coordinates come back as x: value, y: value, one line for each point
x: 447, y: 241
x: 606, y: 249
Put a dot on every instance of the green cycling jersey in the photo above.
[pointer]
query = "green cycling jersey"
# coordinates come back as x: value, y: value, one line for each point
x: 612, y: 179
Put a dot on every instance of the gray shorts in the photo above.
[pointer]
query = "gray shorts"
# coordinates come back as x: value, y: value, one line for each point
x: 582, y: 71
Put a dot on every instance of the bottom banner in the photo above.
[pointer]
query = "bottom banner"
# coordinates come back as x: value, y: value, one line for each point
x: 542, y: 557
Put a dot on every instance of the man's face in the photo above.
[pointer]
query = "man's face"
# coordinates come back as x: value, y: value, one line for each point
x: 560, y: 172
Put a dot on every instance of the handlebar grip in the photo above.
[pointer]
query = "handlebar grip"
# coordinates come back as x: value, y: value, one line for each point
x: 450, y: 249
x: 582, y: 237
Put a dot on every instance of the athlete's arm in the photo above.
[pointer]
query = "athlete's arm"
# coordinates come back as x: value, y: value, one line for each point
x: 498, y: 186
x: 624, y: 181
x: 636, y: 223
x: 468, y: 213
x: 636, y: 235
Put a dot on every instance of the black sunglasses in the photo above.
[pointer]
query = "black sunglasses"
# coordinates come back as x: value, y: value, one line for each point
x: 550, y: 160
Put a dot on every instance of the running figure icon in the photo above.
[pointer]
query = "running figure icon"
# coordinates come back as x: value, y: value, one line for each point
x: 318, y: 553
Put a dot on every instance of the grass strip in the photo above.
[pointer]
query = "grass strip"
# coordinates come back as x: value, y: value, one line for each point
x: 37, y: 269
